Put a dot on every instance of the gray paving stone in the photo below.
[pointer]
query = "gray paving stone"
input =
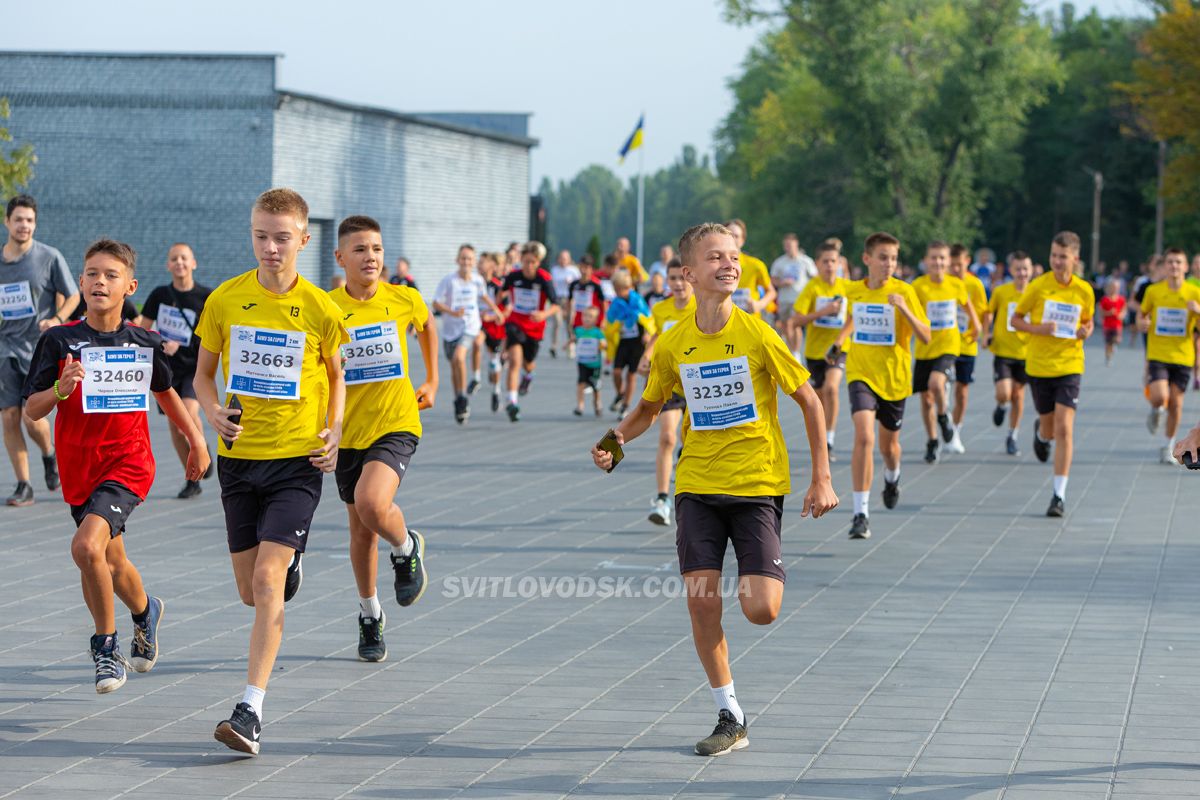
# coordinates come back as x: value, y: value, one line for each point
x: 970, y: 633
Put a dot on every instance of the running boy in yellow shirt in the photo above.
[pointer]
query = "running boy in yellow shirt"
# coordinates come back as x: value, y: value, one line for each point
x: 733, y: 475
x: 1057, y: 309
x: 383, y: 424
x: 884, y: 315
x: 277, y: 338
x: 964, y: 364
x: 821, y: 311
x: 1008, y: 348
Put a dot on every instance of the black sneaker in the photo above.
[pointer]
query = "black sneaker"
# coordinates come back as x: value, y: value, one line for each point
x: 615, y: 404
x: 832, y: 455
x: 577, y: 412
x: 22, y: 495
x: 190, y: 489
x: 523, y: 386
x: 860, y: 527
x: 1040, y: 449
x: 410, y: 572
x: 50, y: 468
x: 1010, y: 444
x: 241, y: 731
x: 295, y: 577
x: 371, y: 646
x: 461, y: 411
x: 110, y: 664
x: 472, y: 385
x: 514, y: 412
x: 931, y: 451
x: 553, y: 353
x: 998, y: 416
x: 891, y: 493
x: 143, y: 652
x: 1056, y: 507
x: 728, y: 735
x: 947, y: 429
x: 495, y: 403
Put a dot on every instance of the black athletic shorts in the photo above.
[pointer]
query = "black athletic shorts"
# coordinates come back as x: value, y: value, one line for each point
x: 706, y: 523
x: 111, y: 500
x: 493, y: 345
x: 964, y: 370
x: 1112, y: 335
x: 1176, y: 374
x: 924, y: 367
x: 588, y: 376
x: 181, y: 382
x: 676, y: 403
x: 516, y: 337
x: 817, y: 368
x: 1061, y: 390
x: 629, y: 353
x: 1012, y: 369
x: 393, y: 449
x: 268, y: 501
x: 450, y: 346
x: 890, y: 413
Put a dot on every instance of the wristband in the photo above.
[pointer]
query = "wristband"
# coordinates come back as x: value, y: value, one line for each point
x: 59, y: 395
x: 58, y: 319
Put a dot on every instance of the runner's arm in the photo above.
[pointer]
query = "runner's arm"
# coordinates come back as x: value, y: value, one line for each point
x: 205, y: 385
x: 427, y: 391
x: 976, y: 326
x: 198, y: 457
x: 986, y: 335
x: 920, y: 329
x: 820, y: 496
x: 634, y: 425
x: 1041, y: 329
x: 324, y: 457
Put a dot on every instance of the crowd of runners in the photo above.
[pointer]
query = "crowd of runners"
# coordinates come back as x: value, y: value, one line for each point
x: 315, y: 381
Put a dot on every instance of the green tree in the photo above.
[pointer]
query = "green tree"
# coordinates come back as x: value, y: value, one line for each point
x: 901, y: 106
x: 16, y: 163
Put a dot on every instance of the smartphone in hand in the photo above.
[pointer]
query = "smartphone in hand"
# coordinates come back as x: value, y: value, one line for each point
x: 609, y: 444
x: 1188, y: 461
x: 236, y: 419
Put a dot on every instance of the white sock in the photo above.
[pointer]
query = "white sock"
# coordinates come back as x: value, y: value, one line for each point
x: 829, y: 438
x: 253, y: 697
x: 405, y: 549
x: 495, y: 363
x: 1012, y: 433
x: 1002, y: 405
x: 512, y: 398
x: 958, y: 428
x: 475, y: 375
x: 1171, y: 442
x: 891, y: 475
x: 1060, y: 486
x: 369, y: 606
x: 860, y: 502
x: 723, y: 697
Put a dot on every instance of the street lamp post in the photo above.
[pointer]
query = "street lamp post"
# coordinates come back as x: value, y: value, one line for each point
x: 1097, y: 188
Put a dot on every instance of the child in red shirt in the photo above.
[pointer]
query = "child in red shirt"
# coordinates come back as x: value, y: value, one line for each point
x: 1112, y: 312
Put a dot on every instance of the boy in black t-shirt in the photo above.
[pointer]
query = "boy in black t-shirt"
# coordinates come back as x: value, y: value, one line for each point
x: 99, y: 373
x: 174, y: 311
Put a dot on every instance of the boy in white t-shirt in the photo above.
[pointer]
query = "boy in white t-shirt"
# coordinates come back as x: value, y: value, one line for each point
x: 457, y: 298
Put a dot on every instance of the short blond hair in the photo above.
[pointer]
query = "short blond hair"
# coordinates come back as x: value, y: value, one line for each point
x: 1067, y: 239
x: 284, y: 201
x: 621, y: 279
x: 695, y: 234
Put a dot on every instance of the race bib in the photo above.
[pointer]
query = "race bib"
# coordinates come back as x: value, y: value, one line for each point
x: 175, y: 324
x: 373, y: 354
x: 833, y: 320
x: 465, y: 298
x: 874, y: 324
x: 629, y: 330
x: 668, y: 324
x: 526, y: 301
x: 116, y: 379
x: 583, y: 299
x: 265, y: 363
x: 719, y: 394
x: 1170, y: 321
x: 587, y: 350
x: 942, y: 314
x: 16, y: 301
x: 1065, y: 317
x: 741, y: 299
x: 1012, y: 312
x: 606, y: 289
x: 964, y: 321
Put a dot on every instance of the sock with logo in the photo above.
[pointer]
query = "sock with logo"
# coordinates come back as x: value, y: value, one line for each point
x: 369, y: 606
x: 861, y: 499
x: 724, y: 698
x: 254, y: 697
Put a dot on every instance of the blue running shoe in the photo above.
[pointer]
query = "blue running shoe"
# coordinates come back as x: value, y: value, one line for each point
x: 110, y: 664
x: 143, y: 651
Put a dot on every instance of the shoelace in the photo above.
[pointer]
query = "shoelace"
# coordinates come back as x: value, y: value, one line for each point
x: 106, y: 665
x: 726, y: 727
x: 140, y: 640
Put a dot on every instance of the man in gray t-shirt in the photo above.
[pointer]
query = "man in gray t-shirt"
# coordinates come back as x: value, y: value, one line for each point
x: 32, y: 275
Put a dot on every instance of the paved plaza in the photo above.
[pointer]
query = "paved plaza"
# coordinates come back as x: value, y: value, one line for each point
x: 972, y: 649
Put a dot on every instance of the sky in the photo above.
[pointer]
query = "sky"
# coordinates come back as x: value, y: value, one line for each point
x: 585, y: 70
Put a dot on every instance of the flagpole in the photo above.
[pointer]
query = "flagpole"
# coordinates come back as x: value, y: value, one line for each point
x: 641, y: 196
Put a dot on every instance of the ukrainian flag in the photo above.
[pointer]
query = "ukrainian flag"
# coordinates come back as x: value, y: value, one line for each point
x: 635, y: 139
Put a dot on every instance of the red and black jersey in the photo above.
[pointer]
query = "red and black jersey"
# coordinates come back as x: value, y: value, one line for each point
x: 493, y: 329
x: 527, y: 295
x: 585, y: 294
x: 93, y: 448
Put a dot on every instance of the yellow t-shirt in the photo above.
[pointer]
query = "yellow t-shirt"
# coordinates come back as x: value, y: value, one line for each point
x: 942, y: 303
x: 755, y: 277
x: 279, y: 342
x: 1169, y: 339
x: 1006, y: 342
x: 979, y: 300
x: 1069, y: 307
x: 879, y: 353
x: 820, y: 333
x: 636, y: 271
x: 378, y: 400
x: 730, y: 381
x: 667, y: 316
